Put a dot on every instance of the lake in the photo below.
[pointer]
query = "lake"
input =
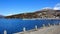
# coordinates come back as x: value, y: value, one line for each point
x: 16, y: 25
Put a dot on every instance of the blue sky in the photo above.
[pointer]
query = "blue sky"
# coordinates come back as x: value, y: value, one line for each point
x: 8, y: 7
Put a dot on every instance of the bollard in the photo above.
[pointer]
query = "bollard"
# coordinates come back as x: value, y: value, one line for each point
x: 59, y: 23
x: 43, y: 25
x: 24, y: 29
x: 54, y: 24
x: 36, y: 27
x: 48, y: 24
x: 5, y: 32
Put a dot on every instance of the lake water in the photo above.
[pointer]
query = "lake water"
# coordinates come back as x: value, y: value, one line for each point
x: 16, y: 25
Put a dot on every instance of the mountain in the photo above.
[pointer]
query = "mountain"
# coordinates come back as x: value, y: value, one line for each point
x: 1, y: 16
x: 44, y: 13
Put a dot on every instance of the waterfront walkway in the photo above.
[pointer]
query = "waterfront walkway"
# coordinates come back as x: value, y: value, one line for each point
x: 52, y: 29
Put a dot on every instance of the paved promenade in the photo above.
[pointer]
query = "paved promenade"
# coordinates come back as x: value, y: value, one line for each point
x: 55, y: 29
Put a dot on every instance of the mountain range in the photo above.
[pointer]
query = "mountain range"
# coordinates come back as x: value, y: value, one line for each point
x: 44, y: 13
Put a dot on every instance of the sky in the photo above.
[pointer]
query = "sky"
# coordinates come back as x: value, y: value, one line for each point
x: 9, y: 7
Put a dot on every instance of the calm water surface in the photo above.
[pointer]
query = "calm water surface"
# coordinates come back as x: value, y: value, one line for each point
x: 16, y: 25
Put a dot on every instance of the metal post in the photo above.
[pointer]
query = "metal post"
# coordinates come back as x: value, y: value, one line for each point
x: 36, y: 27
x: 5, y: 32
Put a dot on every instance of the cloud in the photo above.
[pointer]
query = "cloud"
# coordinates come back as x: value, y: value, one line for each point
x: 57, y: 7
x: 47, y: 8
x: 8, y: 14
